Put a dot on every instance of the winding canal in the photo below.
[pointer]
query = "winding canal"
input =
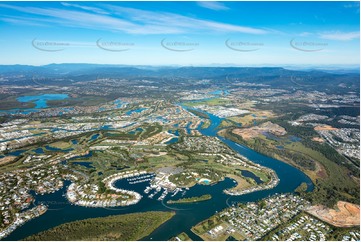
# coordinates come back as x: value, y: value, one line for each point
x: 187, y: 215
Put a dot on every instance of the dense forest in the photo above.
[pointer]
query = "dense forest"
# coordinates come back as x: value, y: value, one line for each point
x: 119, y: 227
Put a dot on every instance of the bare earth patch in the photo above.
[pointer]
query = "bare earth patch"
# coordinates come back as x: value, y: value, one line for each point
x: 7, y: 159
x: 246, y: 134
x: 318, y: 139
x: 255, y: 131
x: 324, y: 127
x: 346, y: 214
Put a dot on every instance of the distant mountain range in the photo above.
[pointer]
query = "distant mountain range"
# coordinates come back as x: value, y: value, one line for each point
x: 274, y: 76
x: 76, y: 68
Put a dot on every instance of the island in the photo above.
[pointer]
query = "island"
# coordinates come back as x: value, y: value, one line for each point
x: 191, y: 199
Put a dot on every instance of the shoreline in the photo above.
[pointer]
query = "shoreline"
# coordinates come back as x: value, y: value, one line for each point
x: 75, y: 194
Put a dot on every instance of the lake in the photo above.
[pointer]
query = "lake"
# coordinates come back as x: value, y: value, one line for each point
x: 41, y: 100
x: 135, y: 111
x: 94, y: 137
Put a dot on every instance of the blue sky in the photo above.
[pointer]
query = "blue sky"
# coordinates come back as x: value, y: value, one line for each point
x: 180, y: 33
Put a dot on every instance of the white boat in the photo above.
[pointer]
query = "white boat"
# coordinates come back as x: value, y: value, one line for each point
x: 147, y: 190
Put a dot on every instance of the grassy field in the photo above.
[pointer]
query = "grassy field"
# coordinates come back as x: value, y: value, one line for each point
x: 80, y: 101
x: 119, y: 227
x: 183, y: 237
x: 61, y: 145
x: 255, y: 117
x: 225, y: 123
x: 203, y: 227
x: 200, y: 114
x: 260, y: 174
x: 156, y: 162
x: 209, y: 102
x: 208, y: 167
x: 242, y: 183
x: 206, y: 124
x: 11, y: 103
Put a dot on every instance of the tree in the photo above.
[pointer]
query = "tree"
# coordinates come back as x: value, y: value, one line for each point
x: 301, y: 188
x: 262, y: 204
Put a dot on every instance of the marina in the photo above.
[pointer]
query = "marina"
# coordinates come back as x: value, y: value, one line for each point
x: 182, y: 129
x: 290, y: 178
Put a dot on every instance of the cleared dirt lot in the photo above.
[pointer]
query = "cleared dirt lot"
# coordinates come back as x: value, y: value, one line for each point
x: 318, y: 139
x: 345, y: 215
x: 249, y: 133
x: 7, y: 159
x: 324, y: 127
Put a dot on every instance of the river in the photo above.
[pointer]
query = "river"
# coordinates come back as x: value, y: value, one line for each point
x: 187, y: 215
